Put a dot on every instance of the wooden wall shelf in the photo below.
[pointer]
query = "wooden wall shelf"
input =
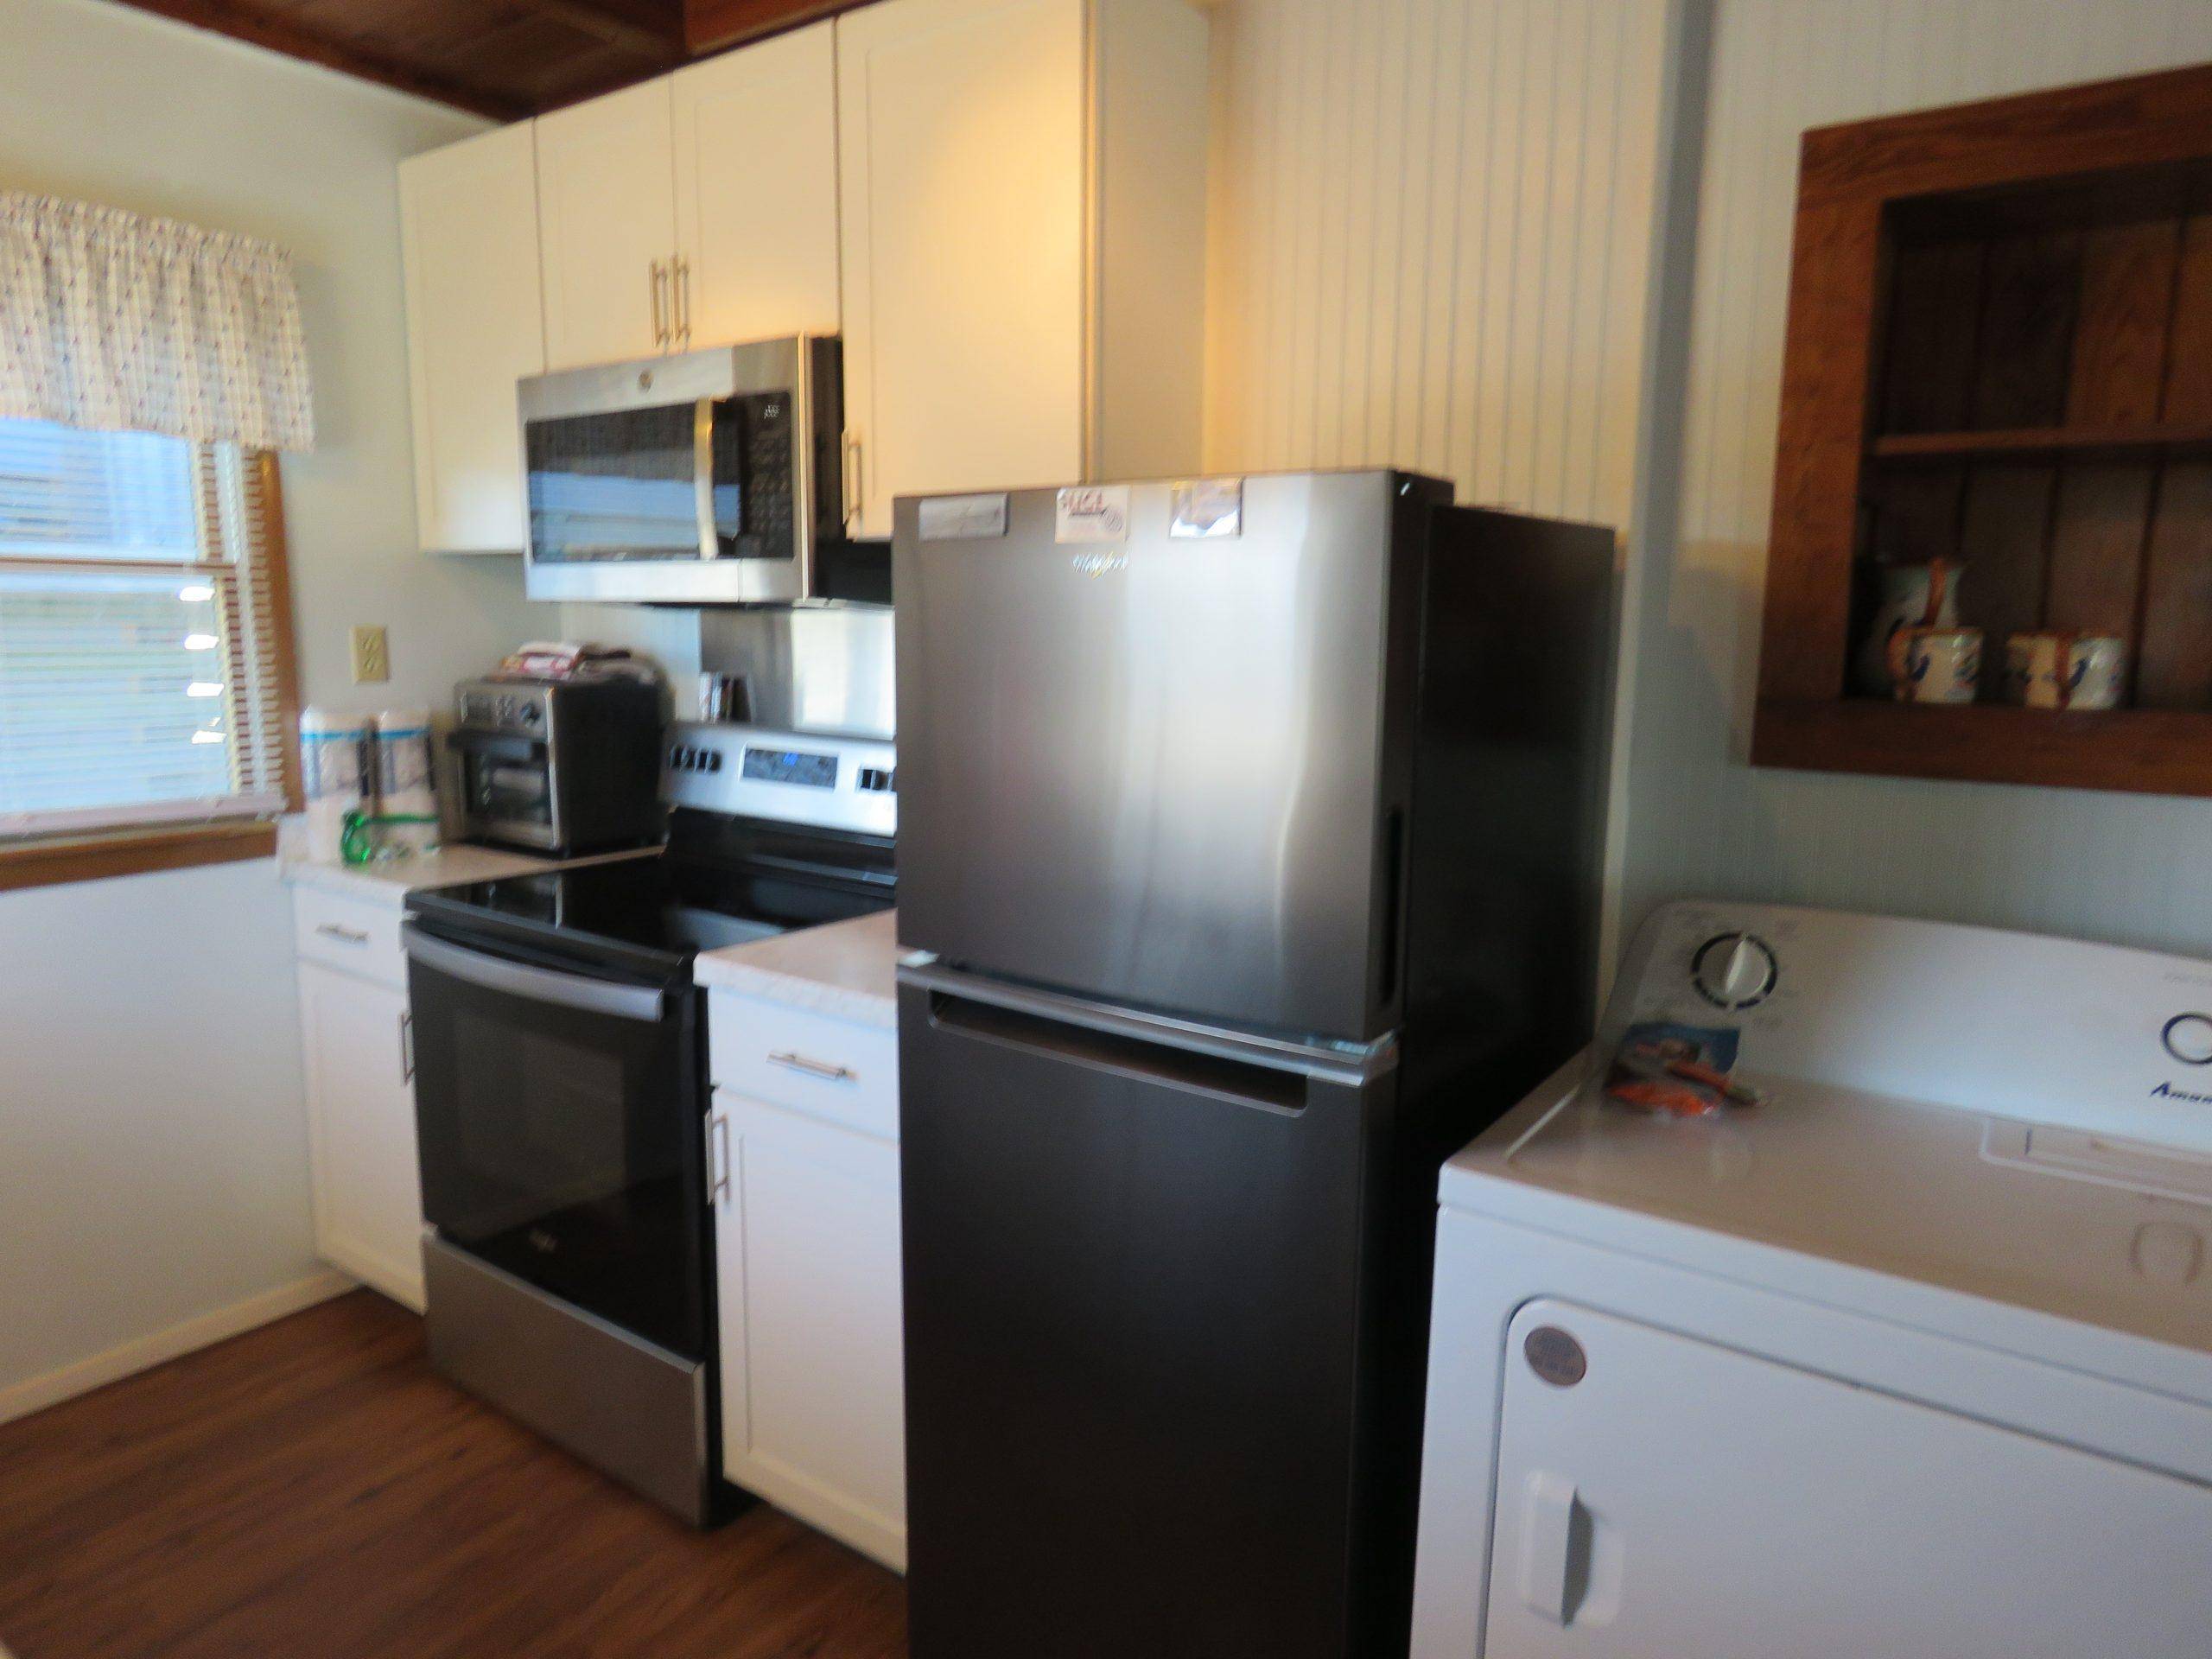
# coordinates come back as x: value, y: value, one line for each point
x: 2141, y: 751
x: 2000, y: 353
x: 2116, y: 442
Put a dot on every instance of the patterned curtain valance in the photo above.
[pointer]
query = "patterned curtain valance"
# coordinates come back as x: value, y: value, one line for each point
x: 112, y: 321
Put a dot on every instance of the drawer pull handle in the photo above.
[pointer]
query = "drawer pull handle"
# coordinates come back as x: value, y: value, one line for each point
x: 821, y: 1069
x: 343, y: 935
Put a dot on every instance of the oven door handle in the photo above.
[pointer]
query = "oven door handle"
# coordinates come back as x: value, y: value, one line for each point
x: 642, y: 1002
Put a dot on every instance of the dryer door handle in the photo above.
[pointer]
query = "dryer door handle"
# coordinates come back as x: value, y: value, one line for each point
x: 1554, y: 1548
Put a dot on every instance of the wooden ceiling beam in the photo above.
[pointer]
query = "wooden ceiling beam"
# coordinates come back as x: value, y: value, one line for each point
x: 710, y: 25
x: 652, y: 28
x: 244, y: 23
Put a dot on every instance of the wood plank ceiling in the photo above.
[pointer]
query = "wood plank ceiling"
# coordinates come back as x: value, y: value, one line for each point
x: 505, y: 59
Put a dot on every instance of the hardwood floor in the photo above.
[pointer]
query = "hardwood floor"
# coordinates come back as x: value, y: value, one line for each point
x: 311, y: 1491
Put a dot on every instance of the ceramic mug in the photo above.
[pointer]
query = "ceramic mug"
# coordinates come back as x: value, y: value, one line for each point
x: 2065, y: 670
x: 1913, y: 596
x: 1936, y: 664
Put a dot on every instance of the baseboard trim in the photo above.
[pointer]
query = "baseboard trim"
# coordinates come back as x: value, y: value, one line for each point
x: 144, y: 1353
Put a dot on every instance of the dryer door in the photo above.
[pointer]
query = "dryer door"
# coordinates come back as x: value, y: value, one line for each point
x: 1659, y: 1496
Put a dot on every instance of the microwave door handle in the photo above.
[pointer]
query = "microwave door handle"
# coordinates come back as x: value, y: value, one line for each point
x: 702, y: 476
x: 640, y: 1003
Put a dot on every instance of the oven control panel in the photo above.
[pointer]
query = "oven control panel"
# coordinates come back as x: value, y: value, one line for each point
x: 829, y: 782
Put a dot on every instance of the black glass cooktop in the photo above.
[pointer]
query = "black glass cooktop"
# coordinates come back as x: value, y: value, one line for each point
x: 656, y: 912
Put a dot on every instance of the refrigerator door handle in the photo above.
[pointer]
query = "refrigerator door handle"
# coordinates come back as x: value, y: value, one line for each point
x: 1048, y: 1021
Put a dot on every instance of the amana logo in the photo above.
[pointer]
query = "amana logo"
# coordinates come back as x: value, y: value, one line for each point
x: 2167, y: 1092
x: 1099, y: 564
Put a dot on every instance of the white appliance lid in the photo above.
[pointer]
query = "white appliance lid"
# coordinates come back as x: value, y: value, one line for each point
x: 1923, y: 1192
x: 2021, y: 1120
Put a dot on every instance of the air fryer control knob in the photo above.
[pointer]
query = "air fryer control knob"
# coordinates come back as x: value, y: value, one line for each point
x: 1734, y: 970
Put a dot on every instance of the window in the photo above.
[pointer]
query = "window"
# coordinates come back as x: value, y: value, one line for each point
x: 145, y: 656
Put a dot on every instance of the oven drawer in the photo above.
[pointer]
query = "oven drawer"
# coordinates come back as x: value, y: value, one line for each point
x: 350, y: 935
x: 830, y: 1068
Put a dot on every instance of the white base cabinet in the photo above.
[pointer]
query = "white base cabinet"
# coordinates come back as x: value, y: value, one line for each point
x: 354, y: 1031
x: 808, y: 1267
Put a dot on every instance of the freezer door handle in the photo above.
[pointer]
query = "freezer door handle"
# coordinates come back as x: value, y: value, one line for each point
x: 1236, y: 1082
x: 1050, y: 1014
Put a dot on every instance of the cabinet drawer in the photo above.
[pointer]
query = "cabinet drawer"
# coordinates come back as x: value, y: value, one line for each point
x: 345, y: 933
x: 831, y: 1069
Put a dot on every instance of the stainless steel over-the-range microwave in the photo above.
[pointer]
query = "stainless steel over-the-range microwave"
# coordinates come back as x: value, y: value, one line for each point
x: 705, y: 477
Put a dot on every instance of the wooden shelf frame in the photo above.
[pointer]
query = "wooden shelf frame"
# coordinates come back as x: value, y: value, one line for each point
x: 1866, y: 192
x: 2153, y: 440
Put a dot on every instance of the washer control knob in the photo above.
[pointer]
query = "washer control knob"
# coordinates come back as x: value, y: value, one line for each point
x: 2187, y: 1037
x: 1734, y: 970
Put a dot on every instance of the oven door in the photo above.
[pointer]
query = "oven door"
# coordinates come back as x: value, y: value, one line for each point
x: 559, y: 1113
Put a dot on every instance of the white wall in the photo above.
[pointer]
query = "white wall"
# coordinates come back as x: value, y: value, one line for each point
x: 2127, y: 868
x: 1432, y: 244
x: 152, y: 1129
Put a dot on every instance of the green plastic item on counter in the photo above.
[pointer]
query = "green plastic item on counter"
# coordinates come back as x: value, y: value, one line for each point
x: 357, y: 833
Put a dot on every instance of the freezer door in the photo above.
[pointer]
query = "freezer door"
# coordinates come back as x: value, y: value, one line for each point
x: 1131, y: 1273
x: 1154, y: 770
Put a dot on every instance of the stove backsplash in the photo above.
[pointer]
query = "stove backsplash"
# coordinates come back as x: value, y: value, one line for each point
x: 825, y: 669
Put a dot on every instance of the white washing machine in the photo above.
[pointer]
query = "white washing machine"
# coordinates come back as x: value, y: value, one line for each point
x: 1915, y: 1357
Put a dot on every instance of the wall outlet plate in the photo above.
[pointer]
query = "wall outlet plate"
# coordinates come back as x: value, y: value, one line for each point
x: 371, y: 661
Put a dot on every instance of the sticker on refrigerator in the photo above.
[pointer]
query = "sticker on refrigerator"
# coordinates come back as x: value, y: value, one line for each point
x: 1094, y: 513
x: 1204, y: 509
x: 962, y: 518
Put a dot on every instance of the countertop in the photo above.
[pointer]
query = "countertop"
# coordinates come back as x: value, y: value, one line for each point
x: 846, y: 969
x: 388, y: 884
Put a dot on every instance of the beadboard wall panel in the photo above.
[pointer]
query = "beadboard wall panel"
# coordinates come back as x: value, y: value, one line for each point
x: 1700, y: 820
x: 1431, y: 241
x: 1431, y: 245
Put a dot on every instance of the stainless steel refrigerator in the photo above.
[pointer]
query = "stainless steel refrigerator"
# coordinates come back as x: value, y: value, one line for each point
x: 1253, y: 830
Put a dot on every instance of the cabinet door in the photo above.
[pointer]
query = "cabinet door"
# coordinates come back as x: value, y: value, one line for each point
x: 1659, y: 1495
x: 368, y: 1193
x: 961, y: 161
x: 756, y: 190
x: 468, y: 234
x: 807, y: 1251
x: 606, y: 217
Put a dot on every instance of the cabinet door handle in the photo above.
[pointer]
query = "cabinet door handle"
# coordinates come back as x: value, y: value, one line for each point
x: 658, y: 290
x: 407, y: 1047
x: 680, y: 269
x: 343, y: 935
x: 718, y: 1188
x: 821, y: 1069
x: 852, y: 476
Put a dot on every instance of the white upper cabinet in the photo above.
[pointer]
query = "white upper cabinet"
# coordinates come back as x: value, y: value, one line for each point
x: 756, y: 190
x: 1023, y: 187
x: 999, y: 204
x: 469, y: 236
x: 606, y: 227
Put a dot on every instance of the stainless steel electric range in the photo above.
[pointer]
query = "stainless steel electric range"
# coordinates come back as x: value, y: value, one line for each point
x: 561, y: 1093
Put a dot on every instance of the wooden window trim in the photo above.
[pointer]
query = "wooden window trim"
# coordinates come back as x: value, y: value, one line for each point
x: 93, y: 858
x: 282, y: 649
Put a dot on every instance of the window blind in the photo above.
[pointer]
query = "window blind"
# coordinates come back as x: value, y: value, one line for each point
x: 141, y: 631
